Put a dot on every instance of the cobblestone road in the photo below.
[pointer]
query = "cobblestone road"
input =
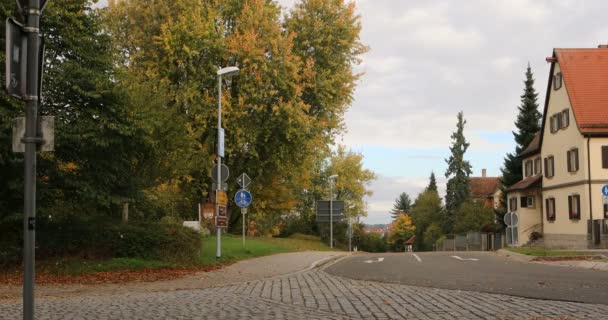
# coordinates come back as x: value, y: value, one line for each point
x: 308, y: 295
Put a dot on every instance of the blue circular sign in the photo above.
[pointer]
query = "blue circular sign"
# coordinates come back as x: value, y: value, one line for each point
x: 243, y: 198
x: 605, y: 190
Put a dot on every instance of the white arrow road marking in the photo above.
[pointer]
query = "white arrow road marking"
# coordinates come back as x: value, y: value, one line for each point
x: 371, y: 261
x: 465, y: 259
x: 417, y: 257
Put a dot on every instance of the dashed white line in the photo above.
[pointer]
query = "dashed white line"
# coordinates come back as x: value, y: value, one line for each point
x: 463, y: 259
x: 417, y: 257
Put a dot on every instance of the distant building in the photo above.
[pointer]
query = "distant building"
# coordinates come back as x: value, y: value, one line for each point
x: 566, y: 165
x: 486, y: 189
x: 379, y: 230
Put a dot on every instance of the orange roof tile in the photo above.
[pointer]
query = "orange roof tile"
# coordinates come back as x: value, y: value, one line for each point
x: 527, y: 183
x: 585, y: 73
x: 483, y: 187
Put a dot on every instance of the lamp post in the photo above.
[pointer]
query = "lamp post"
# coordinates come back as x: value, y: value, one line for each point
x: 331, y: 210
x: 227, y: 72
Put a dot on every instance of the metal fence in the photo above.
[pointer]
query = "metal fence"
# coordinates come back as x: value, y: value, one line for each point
x: 473, y: 241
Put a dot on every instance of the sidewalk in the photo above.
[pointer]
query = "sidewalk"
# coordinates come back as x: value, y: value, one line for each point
x: 601, y: 265
x: 242, y: 271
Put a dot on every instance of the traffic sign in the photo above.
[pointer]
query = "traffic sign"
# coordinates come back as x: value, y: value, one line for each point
x: 605, y: 199
x: 243, y: 180
x: 222, y: 197
x: 225, y: 173
x: 243, y: 198
x: 223, y: 186
x: 327, y: 218
x: 221, y: 222
x: 222, y: 211
x: 605, y: 190
x: 16, y: 59
x: 323, y: 207
x: 511, y: 219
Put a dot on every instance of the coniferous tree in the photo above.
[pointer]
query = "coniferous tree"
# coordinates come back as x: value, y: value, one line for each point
x: 527, y: 124
x: 432, y: 183
x: 458, y: 173
x: 403, y: 205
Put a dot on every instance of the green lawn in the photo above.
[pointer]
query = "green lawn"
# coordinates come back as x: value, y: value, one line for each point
x: 539, y: 252
x: 232, y: 250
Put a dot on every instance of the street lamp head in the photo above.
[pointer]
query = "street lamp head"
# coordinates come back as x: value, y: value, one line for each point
x: 333, y: 176
x: 228, y: 71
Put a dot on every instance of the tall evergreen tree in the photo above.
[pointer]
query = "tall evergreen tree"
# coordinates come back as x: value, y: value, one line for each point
x: 458, y: 173
x: 527, y: 124
x: 403, y: 205
x: 432, y: 183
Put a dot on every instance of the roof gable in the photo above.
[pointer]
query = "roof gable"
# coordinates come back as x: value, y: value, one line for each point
x: 483, y: 187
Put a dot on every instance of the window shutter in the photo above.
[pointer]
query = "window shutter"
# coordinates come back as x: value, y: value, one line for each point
x: 552, y: 123
x: 605, y: 157
x: 570, y: 213
x: 575, y: 160
x: 566, y: 118
x: 546, y: 171
x: 569, y: 161
x: 605, y: 211
x: 558, y: 117
x: 578, y: 206
x: 547, y: 208
x: 523, y: 202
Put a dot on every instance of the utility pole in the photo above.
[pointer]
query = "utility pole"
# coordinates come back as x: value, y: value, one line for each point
x: 331, y: 210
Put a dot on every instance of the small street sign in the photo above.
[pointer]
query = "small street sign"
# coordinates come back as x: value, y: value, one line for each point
x: 244, y: 210
x: 605, y: 199
x: 221, y: 222
x: 605, y: 190
x: 223, y: 186
x: 222, y: 198
x: 225, y: 173
x: 511, y: 219
x: 46, y: 128
x: 334, y: 218
x: 243, y: 180
x: 323, y: 207
x: 16, y: 59
x: 243, y: 198
x: 222, y: 212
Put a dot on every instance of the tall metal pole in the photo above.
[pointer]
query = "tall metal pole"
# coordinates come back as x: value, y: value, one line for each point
x: 243, y: 217
x: 331, y: 213
x: 30, y: 140
x: 218, y: 253
x: 350, y: 234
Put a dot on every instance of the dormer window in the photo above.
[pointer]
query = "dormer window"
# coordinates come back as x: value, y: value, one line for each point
x: 557, y: 81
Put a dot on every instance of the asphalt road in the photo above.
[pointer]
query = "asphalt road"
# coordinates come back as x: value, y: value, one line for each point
x: 479, y: 272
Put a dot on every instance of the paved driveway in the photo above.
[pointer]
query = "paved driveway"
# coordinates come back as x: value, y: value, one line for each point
x: 480, y: 272
x: 312, y: 294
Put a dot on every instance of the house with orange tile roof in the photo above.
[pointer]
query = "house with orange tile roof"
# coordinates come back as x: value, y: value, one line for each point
x: 566, y: 165
x: 486, y: 189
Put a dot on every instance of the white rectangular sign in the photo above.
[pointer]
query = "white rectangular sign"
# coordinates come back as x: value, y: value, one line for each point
x: 220, y: 146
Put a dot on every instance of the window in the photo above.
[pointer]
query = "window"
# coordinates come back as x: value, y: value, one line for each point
x: 558, y: 121
x: 549, y: 167
x: 537, y: 166
x: 552, y: 124
x: 557, y: 81
x: 605, y: 157
x: 528, y: 168
x: 574, y: 204
x: 565, y: 119
x: 572, y: 160
x: 550, y: 209
x: 513, y: 204
x: 527, y: 202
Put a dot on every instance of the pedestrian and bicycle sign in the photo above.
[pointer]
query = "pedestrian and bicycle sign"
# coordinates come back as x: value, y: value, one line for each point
x: 243, y: 198
x: 605, y: 190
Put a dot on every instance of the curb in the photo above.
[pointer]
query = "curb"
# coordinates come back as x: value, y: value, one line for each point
x: 515, y: 256
x: 320, y: 263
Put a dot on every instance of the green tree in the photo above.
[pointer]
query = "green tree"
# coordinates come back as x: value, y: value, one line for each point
x: 431, y: 235
x: 427, y: 211
x: 528, y: 125
x: 403, y: 205
x: 474, y: 216
x: 458, y: 173
x: 432, y: 183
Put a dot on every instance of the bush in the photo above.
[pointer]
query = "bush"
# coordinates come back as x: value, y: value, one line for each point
x: 371, y: 242
x: 99, y: 238
x: 535, y: 236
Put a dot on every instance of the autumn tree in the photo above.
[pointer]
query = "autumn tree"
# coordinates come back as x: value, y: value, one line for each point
x: 400, y: 230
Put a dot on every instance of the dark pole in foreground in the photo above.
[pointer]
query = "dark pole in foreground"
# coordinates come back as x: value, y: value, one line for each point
x: 30, y: 140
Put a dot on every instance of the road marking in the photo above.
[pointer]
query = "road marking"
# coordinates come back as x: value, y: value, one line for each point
x: 417, y: 257
x: 465, y: 259
x: 371, y: 261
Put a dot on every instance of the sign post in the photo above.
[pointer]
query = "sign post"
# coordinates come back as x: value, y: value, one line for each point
x: 243, y: 199
x: 23, y: 81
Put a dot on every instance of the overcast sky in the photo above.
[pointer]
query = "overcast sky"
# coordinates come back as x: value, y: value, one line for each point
x: 430, y: 59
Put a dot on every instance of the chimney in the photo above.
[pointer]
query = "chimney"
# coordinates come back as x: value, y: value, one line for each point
x: 483, y: 173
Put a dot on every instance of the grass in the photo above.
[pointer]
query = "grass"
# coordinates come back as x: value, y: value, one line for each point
x: 539, y: 252
x: 232, y: 247
x: 232, y: 250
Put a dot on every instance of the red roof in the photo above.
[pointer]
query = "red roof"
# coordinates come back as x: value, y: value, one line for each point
x: 533, y: 147
x: 585, y: 73
x: 527, y: 183
x: 483, y: 187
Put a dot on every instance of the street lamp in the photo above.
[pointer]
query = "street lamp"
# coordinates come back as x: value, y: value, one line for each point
x: 226, y: 72
x: 331, y: 210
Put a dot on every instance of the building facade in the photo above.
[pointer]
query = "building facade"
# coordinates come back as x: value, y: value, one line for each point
x: 566, y: 165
